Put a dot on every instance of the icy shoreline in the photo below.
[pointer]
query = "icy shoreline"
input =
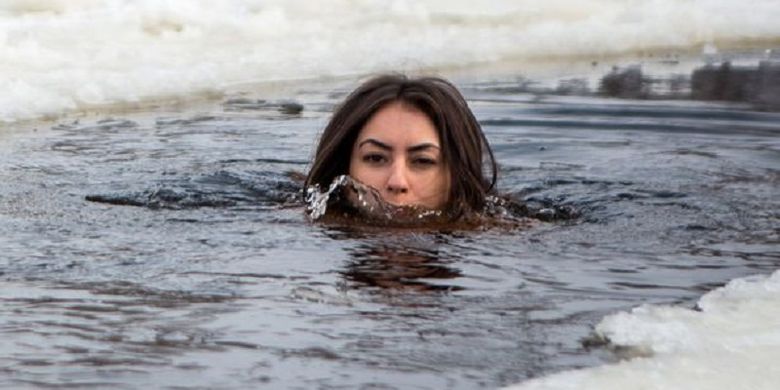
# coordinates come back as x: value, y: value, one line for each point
x: 731, y: 340
x: 59, y: 57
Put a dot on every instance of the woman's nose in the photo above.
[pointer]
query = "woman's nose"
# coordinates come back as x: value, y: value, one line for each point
x: 397, y: 183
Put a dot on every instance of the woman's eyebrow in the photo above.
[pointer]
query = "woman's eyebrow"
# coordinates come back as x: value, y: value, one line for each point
x: 376, y: 143
x: 414, y: 148
x: 421, y: 147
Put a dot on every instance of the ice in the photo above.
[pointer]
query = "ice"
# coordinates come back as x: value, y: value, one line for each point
x: 731, y: 340
x: 60, y: 56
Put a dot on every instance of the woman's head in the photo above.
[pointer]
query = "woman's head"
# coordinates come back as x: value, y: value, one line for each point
x: 414, y: 140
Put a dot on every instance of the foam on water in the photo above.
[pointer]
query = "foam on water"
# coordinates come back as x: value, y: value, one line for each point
x: 58, y: 56
x: 731, y: 342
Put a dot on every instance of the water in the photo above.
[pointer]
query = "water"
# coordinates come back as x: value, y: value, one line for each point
x: 152, y: 233
x: 212, y: 276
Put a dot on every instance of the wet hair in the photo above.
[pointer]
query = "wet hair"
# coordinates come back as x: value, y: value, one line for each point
x: 465, y: 150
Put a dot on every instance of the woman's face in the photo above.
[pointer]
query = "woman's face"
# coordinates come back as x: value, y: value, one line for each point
x: 398, y: 153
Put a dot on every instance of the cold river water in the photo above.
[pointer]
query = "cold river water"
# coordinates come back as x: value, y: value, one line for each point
x: 199, y: 269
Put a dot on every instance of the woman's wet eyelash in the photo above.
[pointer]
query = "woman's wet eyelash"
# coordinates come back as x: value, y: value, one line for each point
x: 424, y: 161
x: 373, y: 158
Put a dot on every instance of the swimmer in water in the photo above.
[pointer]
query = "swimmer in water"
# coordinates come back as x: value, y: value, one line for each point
x: 414, y: 141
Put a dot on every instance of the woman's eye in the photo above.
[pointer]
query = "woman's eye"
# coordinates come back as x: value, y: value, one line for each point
x: 424, y: 161
x: 374, y: 158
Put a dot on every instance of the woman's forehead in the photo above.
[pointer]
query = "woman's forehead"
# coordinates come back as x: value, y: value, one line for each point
x: 397, y: 122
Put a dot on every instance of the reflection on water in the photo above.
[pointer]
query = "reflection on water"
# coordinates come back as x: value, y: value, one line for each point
x: 219, y: 280
x: 398, y: 266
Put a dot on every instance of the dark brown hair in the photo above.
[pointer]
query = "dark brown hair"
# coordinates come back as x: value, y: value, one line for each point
x: 465, y: 150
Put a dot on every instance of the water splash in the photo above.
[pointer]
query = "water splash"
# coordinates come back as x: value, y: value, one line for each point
x: 352, y: 197
x: 361, y: 204
x: 317, y: 201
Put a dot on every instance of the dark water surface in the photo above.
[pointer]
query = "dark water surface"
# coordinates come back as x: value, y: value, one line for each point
x: 192, y: 265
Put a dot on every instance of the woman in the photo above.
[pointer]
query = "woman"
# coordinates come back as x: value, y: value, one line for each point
x: 414, y: 141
